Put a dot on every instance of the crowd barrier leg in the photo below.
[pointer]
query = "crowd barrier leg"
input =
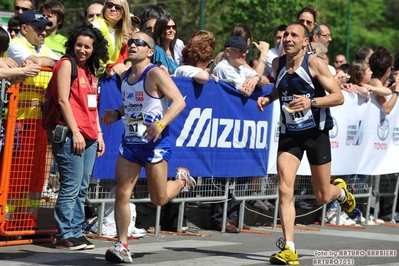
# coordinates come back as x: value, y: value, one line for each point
x: 180, y: 219
x: 225, y: 205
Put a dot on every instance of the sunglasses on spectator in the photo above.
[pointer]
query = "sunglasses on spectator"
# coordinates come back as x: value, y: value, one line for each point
x: 138, y: 42
x: 17, y: 8
x: 110, y: 5
x: 304, y: 21
x: 240, y: 50
x: 13, y: 30
x: 168, y: 27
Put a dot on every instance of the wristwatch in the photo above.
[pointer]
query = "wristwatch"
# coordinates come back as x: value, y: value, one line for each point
x: 313, y: 102
x: 259, y: 78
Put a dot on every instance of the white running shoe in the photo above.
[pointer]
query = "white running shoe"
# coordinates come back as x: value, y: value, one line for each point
x: 184, y: 174
x: 118, y: 254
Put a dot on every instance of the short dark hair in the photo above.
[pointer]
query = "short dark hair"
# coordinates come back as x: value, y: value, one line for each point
x: 55, y: 8
x: 150, y: 12
x: 91, y: 3
x: 13, y: 22
x: 32, y: 2
x: 380, y: 61
x: 363, y: 53
x: 282, y: 27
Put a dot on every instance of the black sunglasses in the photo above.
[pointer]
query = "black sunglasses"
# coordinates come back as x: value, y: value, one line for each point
x: 13, y: 30
x: 138, y: 42
x: 17, y: 8
x: 111, y: 5
x: 171, y: 27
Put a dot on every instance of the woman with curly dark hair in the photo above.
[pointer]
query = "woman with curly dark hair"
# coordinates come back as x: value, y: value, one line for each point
x: 80, y: 137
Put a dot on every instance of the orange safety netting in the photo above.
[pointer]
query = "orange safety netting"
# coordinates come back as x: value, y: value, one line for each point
x: 25, y: 163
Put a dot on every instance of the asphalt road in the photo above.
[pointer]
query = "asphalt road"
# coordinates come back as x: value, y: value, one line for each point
x: 372, y: 245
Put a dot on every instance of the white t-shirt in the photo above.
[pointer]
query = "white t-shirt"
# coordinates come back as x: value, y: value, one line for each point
x: 235, y: 76
x: 187, y: 71
x: 18, y: 52
x: 332, y: 70
x: 179, y: 46
x: 271, y: 54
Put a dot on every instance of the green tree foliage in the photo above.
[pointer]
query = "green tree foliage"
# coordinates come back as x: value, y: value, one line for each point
x: 369, y: 25
x: 261, y: 16
x: 372, y: 23
x: 7, y: 5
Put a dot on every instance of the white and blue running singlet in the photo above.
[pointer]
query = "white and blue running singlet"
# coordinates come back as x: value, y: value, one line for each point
x: 302, y: 83
x: 141, y: 107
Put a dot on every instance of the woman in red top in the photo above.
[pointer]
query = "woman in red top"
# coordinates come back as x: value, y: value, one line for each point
x: 75, y: 154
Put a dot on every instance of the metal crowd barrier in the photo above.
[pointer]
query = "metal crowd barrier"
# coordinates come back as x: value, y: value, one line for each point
x: 255, y: 188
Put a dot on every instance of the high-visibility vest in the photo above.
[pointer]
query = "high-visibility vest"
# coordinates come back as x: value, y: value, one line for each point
x: 31, y: 92
x: 113, y: 50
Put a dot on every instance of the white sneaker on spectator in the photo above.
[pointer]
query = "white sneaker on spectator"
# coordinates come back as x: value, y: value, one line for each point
x: 331, y: 217
x: 346, y: 219
x: 374, y: 220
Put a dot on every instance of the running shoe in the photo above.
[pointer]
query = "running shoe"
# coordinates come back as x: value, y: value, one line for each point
x: 286, y: 256
x: 71, y: 243
x: 184, y: 174
x: 118, y: 254
x: 349, y: 203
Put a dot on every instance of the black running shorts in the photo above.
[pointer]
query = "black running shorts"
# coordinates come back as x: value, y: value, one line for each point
x: 316, y: 143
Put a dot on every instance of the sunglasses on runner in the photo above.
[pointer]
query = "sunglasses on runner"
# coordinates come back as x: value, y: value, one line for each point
x: 138, y: 42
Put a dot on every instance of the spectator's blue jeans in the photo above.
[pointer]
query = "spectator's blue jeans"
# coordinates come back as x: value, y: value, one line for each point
x: 75, y: 171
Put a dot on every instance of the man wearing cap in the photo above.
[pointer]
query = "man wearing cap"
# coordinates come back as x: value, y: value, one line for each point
x: 231, y: 68
x: 29, y: 44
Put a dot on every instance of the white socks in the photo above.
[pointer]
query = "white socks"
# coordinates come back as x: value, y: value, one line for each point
x: 291, y: 245
x: 343, y: 195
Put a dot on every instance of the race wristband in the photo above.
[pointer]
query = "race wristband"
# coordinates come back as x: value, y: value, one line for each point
x: 162, y: 126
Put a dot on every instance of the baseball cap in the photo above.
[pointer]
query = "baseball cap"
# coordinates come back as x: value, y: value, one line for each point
x: 35, y: 18
x: 235, y: 42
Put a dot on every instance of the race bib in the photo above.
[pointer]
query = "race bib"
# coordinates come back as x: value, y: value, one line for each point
x: 298, y: 121
x: 134, y: 130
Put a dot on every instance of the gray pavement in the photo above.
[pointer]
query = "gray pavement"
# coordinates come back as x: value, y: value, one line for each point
x: 315, y: 247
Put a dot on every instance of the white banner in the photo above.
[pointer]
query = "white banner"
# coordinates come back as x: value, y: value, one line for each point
x: 364, y: 139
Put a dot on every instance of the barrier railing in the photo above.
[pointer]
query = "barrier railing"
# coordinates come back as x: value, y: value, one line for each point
x: 23, y: 166
x: 228, y: 130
